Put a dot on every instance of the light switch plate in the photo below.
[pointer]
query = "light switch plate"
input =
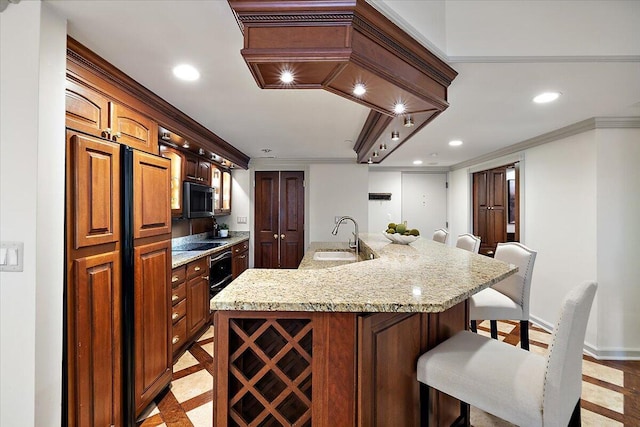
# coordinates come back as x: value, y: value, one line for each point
x: 242, y: 220
x: 11, y: 256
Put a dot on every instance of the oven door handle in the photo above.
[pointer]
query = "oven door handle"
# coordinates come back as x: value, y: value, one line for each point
x: 221, y: 282
x: 220, y: 257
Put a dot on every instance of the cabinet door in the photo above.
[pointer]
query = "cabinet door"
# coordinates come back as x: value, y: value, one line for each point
x: 226, y: 192
x: 152, y: 320
x: 133, y: 128
x: 197, y: 303
x: 87, y: 110
x: 152, y: 186
x: 240, y: 263
x: 177, y: 163
x: 94, y: 341
x: 204, y: 172
x: 191, y: 169
x: 96, y: 183
x: 216, y: 183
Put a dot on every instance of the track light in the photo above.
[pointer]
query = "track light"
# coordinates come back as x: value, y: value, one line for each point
x: 395, y: 135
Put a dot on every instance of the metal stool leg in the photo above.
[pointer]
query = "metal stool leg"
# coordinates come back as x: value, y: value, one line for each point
x: 474, y: 326
x: 494, y: 329
x: 524, y: 334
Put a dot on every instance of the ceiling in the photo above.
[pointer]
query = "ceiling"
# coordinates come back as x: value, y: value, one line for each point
x: 502, y: 56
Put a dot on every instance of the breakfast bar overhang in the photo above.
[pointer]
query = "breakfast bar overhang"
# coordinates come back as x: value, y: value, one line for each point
x: 335, y: 343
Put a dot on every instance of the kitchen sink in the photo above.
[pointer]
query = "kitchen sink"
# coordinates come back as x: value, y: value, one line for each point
x: 334, y: 256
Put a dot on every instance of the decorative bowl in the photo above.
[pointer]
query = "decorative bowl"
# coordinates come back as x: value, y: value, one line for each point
x: 400, y: 239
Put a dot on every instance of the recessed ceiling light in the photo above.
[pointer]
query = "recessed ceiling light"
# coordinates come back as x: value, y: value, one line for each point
x: 286, y: 77
x: 546, y: 97
x: 359, y: 89
x: 399, y: 108
x: 417, y: 162
x: 186, y: 72
x: 455, y: 143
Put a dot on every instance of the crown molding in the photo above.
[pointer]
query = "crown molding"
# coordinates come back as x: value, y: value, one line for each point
x: 410, y: 169
x: 273, y: 162
x: 541, y: 59
x: 565, y: 132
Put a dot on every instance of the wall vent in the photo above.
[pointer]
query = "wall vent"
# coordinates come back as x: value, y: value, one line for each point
x: 379, y: 196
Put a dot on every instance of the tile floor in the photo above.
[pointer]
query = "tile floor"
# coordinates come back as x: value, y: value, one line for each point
x: 610, y: 389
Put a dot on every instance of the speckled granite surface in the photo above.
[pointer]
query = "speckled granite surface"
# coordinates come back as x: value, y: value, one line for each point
x: 184, y: 257
x: 422, y: 277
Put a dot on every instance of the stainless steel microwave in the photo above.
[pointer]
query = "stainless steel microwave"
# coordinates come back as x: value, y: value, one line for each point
x: 198, y: 200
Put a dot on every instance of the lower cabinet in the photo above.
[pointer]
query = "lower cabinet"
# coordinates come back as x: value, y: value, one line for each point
x: 190, y: 303
x: 153, y: 356
x: 240, y: 258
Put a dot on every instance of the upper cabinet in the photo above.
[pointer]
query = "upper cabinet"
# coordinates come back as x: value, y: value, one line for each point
x: 197, y: 170
x: 89, y: 111
x: 226, y: 192
x: 177, y: 163
x: 221, y: 182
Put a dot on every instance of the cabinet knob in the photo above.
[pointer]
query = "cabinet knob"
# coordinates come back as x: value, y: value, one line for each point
x: 205, y: 278
x: 175, y: 340
x: 174, y: 297
x: 275, y: 236
x: 174, y: 279
x: 282, y: 236
x: 242, y: 257
x: 197, y: 268
x: 174, y: 316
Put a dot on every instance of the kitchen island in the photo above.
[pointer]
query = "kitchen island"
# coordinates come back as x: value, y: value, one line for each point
x: 337, y: 345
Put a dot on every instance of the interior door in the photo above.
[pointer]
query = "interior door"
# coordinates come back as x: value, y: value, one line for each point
x: 279, y: 219
x: 490, y: 208
x: 424, y: 201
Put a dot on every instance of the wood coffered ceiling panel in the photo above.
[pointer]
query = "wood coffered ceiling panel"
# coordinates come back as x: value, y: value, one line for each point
x: 334, y: 44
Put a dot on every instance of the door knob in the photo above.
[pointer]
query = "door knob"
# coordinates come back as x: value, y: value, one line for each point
x: 275, y: 236
x: 282, y: 236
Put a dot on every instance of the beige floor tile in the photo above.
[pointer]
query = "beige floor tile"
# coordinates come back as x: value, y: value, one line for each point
x: 192, y: 385
x: 542, y: 337
x: 538, y: 350
x: 208, y: 348
x: 591, y: 419
x: 482, y: 419
x: 185, y: 361
x: 202, y: 416
x: 208, y: 334
x: 502, y: 326
x: 603, y: 373
x: 603, y: 397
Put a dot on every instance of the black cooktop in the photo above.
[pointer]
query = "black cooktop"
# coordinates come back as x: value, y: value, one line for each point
x: 197, y: 246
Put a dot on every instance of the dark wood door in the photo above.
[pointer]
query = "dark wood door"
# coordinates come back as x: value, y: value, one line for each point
x: 152, y: 320
x: 490, y: 208
x: 279, y: 219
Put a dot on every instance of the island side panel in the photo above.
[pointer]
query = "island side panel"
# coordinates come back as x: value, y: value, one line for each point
x: 286, y: 367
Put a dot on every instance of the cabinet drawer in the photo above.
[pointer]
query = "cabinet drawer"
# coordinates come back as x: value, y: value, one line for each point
x: 198, y: 267
x: 179, y: 335
x: 178, y: 275
x: 178, y: 293
x: 178, y: 311
x: 240, y: 247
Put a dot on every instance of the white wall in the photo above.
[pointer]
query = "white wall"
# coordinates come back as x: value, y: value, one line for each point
x: 618, y: 214
x: 337, y: 190
x: 32, y: 65
x: 382, y: 212
x: 580, y: 211
x: 240, y: 201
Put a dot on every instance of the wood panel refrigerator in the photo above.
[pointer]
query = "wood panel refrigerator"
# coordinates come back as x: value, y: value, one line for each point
x: 117, y: 296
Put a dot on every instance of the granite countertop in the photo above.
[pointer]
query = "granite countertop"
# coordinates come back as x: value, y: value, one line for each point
x: 424, y: 276
x: 184, y: 257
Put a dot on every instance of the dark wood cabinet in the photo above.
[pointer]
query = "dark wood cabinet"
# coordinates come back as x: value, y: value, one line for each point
x: 90, y: 110
x: 93, y: 343
x: 152, y: 323
x: 179, y: 309
x: 197, y: 296
x: 279, y: 219
x: 177, y: 163
x: 240, y: 258
x: 151, y: 203
x: 490, y: 208
x: 197, y: 170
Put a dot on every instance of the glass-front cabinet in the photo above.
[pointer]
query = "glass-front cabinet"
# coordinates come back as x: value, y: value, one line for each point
x: 216, y: 183
x: 221, y: 182
x: 226, y: 192
x: 177, y: 163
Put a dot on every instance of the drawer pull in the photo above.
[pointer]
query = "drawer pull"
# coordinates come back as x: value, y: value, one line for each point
x: 205, y: 278
x: 174, y: 297
x: 174, y: 316
x: 175, y: 340
x: 197, y: 268
x: 174, y: 279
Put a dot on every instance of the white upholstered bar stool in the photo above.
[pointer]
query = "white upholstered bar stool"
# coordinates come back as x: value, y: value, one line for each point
x: 440, y: 235
x: 521, y: 387
x: 509, y: 298
x: 468, y: 242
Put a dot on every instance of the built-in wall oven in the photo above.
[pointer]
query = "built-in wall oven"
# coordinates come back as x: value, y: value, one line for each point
x: 219, y: 272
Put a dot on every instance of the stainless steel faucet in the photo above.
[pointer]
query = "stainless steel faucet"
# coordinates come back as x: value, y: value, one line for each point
x: 356, y: 244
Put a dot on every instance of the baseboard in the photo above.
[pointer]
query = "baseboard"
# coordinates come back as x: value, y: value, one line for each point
x: 592, y: 350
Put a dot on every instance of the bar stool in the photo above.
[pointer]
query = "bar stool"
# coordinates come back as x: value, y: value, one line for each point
x: 468, y: 242
x: 440, y: 235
